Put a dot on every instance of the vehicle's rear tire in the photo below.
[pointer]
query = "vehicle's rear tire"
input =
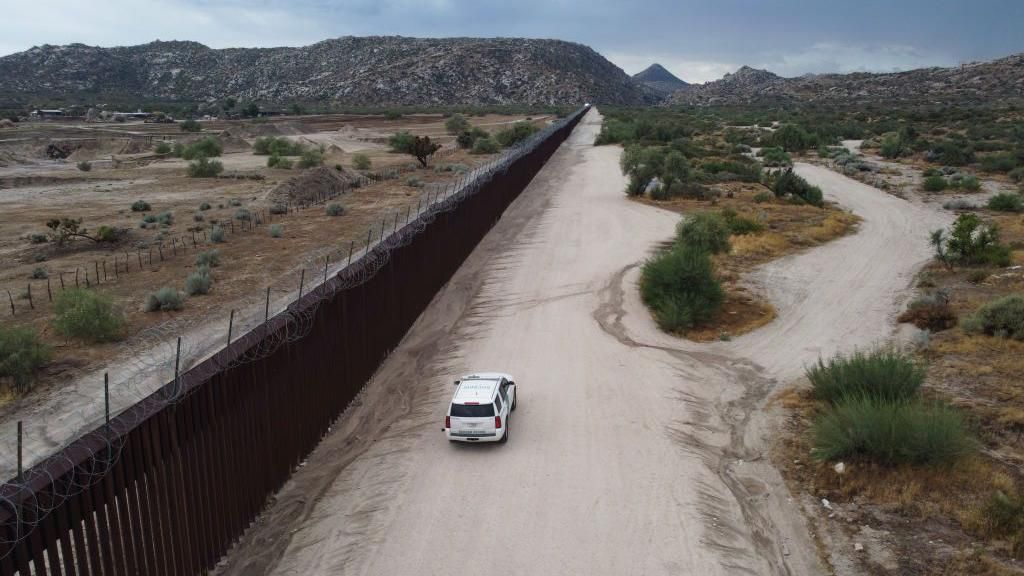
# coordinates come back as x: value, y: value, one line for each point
x: 504, y: 438
x: 515, y: 401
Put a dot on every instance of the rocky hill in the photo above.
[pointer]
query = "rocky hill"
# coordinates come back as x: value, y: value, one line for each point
x: 1003, y: 78
x: 349, y: 70
x: 659, y: 80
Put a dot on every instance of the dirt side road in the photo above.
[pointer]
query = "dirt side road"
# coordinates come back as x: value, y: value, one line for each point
x: 631, y: 452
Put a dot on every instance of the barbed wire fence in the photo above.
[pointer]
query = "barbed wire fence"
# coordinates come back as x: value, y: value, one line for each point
x: 171, y: 362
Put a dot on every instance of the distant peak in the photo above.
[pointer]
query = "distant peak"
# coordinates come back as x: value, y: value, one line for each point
x: 656, y: 76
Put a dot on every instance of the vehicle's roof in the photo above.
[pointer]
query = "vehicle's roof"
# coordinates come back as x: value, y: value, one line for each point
x: 476, y: 390
x: 488, y: 376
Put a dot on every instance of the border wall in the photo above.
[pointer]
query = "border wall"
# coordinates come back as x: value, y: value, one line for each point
x: 168, y: 485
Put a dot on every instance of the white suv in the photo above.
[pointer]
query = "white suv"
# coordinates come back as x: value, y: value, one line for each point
x: 480, y: 408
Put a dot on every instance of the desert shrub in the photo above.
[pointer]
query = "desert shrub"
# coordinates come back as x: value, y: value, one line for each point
x: 485, y: 146
x: 413, y: 182
x: 40, y: 273
x: 361, y: 161
x: 935, y: 183
x: 704, y: 231
x: 929, y: 172
x: 680, y: 288
x: 199, y: 281
x: 334, y: 210
x: 968, y: 182
x: 1006, y: 202
x: 149, y: 219
x: 951, y: 153
x: 762, y: 197
x: 203, y: 167
x: 275, y: 230
x: 278, y: 208
x: 141, y: 206
x: 165, y: 218
x: 165, y: 299
x: 84, y: 166
x: 311, y: 158
x: 880, y: 375
x: 999, y: 162
x: 793, y: 138
x: 217, y: 235
x: 774, y: 157
x: 1004, y: 518
x: 972, y: 242
x: 456, y: 124
x: 277, y: 146
x: 891, y: 432
x: 789, y: 184
x: 243, y: 214
x: 740, y: 225
x: 162, y: 148
x: 234, y: 202
x: 208, y: 147
x: 109, y: 234
x: 1003, y: 317
x: 960, y: 204
x: 467, y: 138
x: 930, y: 312
x: 515, y: 134
x: 38, y: 238
x: 1017, y: 174
x: 209, y: 258
x: 401, y: 142
x: 178, y: 150
x: 198, y: 217
x: 22, y: 353
x: 190, y: 125
x: 892, y: 147
x: 280, y: 162
x: 87, y: 315
x: 727, y: 170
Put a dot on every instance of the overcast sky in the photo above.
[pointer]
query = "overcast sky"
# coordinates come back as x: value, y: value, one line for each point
x: 696, y: 40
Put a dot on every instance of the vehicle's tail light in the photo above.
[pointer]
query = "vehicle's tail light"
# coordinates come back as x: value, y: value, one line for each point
x: 497, y: 421
x: 447, y: 421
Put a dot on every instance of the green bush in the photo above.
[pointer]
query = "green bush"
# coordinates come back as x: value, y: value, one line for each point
x: 880, y: 375
x: 413, y: 182
x: 87, y: 315
x: 1003, y: 317
x: 217, y: 235
x: 40, y: 273
x: 704, y: 231
x: 401, y: 142
x: 203, y: 167
x: 279, y: 162
x: 515, y: 134
x: 456, y: 124
x: 774, y: 157
x: 208, y: 147
x: 204, y: 206
x: 209, y: 258
x: 21, y: 355
x: 165, y: 218
x: 311, y: 158
x: 762, y: 197
x: 243, y: 214
x: 109, y: 234
x: 680, y: 288
x: 1006, y: 202
x: 334, y: 210
x: 275, y: 230
x: 467, y: 138
x: 162, y: 148
x: 892, y: 147
x: 891, y: 432
x: 967, y: 182
x: 789, y: 184
x: 951, y: 153
x: 84, y: 166
x: 361, y: 161
x: 935, y: 183
x: 141, y: 206
x: 1005, y: 162
x: 165, y: 299
x: 277, y: 146
x: 199, y: 282
x: 234, y: 202
x: 740, y: 225
x: 485, y: 146
x: 972, y: 242
x: 1004, y: 516
x: 190, y: 125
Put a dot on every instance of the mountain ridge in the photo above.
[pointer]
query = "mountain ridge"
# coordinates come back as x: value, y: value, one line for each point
x: 377, y: 70
x: 660, y: 80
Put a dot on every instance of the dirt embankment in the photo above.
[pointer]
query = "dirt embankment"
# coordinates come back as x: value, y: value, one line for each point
x: 311, y: 185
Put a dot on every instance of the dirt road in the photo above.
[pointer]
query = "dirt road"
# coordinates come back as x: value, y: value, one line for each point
x: 631, y: 452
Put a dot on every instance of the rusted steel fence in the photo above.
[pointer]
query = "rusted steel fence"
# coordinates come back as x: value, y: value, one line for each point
x: 168, y: 485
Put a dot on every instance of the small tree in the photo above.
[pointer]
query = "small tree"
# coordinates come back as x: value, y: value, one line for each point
x: 88, y: 315
x: 361, y: 161
x: 423, y: 149
x: 63, y: 230
x: 21, y: 355
x: 190, y: 125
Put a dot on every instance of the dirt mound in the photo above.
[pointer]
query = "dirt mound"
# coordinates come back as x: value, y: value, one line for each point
x: 311, y: 185
x: 61, y: 150
x: 233, y: 143
x: 6, y: 123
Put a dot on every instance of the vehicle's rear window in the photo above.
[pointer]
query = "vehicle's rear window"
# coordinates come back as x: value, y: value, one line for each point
x: 472, y: 410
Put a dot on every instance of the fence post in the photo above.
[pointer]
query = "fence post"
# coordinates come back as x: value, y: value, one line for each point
x: 30, y: 305
x: 97, y: 263
x: 302, y: 281
x: 11, y: 298
x: 368, y: 233
x: 106, y: 401
x: 266, y: 312
x: 231, y: 324
x: 327, y: 262
x: 62, y: 280
x: 49, y: 291
x: 177, y: 363
x: 351, y: 244
x: 20, y: 472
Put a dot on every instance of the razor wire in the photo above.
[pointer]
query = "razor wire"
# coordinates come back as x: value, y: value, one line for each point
x: 89, y: 457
